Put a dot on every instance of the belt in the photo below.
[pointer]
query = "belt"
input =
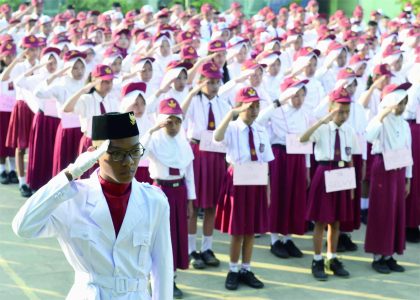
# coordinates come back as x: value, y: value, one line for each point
x: 195, y: 141
x: 171, y: 183
x: 278, y: 146
x: 119, y: 284
x: 337, y: 164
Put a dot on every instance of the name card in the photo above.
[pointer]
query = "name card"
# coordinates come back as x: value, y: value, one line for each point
x: 6, y: 103
x: 70, y: 120
x: 208, y: 144
x: 250, y: 173
x: 294, y: 146
x: 418, y: 114
x: 396, y: 159
x: 340, y: 180
x: 362, y: 145
x: 144, y: 162
x: 50, y: 108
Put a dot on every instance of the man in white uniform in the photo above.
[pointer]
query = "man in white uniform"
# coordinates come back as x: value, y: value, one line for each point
x: 113, y: 230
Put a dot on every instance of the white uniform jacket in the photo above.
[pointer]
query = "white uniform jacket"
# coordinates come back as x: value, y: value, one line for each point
x: 106, y: 267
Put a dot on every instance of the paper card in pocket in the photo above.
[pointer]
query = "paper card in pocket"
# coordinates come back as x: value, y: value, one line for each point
x: 250, y: 173
x: 294, y: 146
x: 340, y: 180
x: 418, y: 114
x: 144, y: 162
x: 6, y: 103
x: 208, y: 144
x: 50, y: 108
x: 396, y: 159
x: 70, y: 120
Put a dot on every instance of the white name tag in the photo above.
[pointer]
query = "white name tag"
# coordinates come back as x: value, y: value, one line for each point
x: 418, y: 114
x: 144, y: 162
x: 250, y: 173
x: 207, y: 143
x: 6, y: 103
x: 396, y: 159
x: 340, y: 180
x: 70, y: 120
x: 362, y: 145
x: 294, y: 146
x: 50, y: 108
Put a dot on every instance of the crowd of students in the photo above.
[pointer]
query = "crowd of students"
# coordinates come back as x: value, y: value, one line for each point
x: 264, y: 123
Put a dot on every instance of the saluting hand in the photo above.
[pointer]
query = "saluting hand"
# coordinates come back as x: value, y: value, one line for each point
x: 237, y: 110
x: 330, y: 116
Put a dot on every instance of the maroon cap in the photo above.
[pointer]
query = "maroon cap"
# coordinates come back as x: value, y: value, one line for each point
x: 252, y: 64
x: 340, y: 95
x: 246, y: 95
x: 292, y: 81
x: 73, y: 21
x: 86, y: 42
x: 160, y: 35
x: 35, y: 2
x: 210, y: 70
x: 205, y: 8
x: 73, y: 54
x: 5, y: 38
x: 30, y: 41
x: 393, y: 87
x: 356, y: 58
x: 103, y: 72
x: 8, y: 48
x: 306, y: 51
x: 163, y: 13
x: 134, y: 86
x: 346, y: 73
x: 178, y: 64
x: 216, y: 46
x: 165, y: 27
x: 334, y: 46
x: 58, y: 39
x: 140, y: 58
x: 104, y: 18
x: 81, y: 15
x: 61, y: 18
x: 49, y: 50
x: 75, y: 31
x: 120, y: 32
x: 5, y: 8
x: 112, y: 52
x: 185, y: 36
x: 42, y: 41
x: 188, y: 52
x: 391, y: 49
x: 382, y: 69
x: 350, y: 35
x: 170, y: 107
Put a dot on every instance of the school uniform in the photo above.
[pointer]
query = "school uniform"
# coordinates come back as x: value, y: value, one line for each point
x: 8, y: 98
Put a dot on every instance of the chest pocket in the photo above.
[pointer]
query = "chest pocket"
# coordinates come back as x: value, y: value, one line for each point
x: 142, y: 241
x: 85, y: 238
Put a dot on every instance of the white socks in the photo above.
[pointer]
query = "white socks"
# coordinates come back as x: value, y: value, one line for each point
x: 2, y: 168
x: 206, y: 243
x: 246, y: 267
x: 22, y: 180
x: 191, y: 243
x: 377, y: 257
x: 331, y: 255
x: 364, y: 203
x: 317, y: 257
x: 286, y: 238
x: 234, y: 267
x: 274, y: 238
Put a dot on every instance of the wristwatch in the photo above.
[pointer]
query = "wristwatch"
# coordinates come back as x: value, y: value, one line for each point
x: 277, y: 102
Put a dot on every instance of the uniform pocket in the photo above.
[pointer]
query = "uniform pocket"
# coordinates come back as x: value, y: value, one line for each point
x: 142, y: 241
x: 84, y: 238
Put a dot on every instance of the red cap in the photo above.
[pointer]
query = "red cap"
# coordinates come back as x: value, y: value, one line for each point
x: 393, y: 87
x: 103, y: 72
x: 306, y: 51
x: 216, y: 46
x: 81, y: 15
x: 165, y: 27
x: 140, y: 58
x: 73, y: 21
x: 48, y: 50
x: 391, y: 49
x: 292, y: 82
x: 356, y: 58
x: 252, y: 64
x: 247, y: 95
x: 69, y: 55
x: 164, y: 13
x: 42, y: 41
x: 134, y: 86
x: 120, y: 32
x: 346, y: 73
x: 178, y: 64
x: 5, y: 38
x: 184, y: 36
x: 86, y: 42
x: 210, y: 70
x: 58, y: 39
x: 350, y: 35
x: 112, y: 52
x: 5, y: 8
x: 235, y: 5
x: 206, y: 8
x: 382, y: 69
x: 143, y: 36
x: 30, y: 41
x: 170, y: 107
x: 188, y: 52
x: 75, y: 31
x: 8, y: 48
x: 340, y: 95
x: 334, y: 46
x: 161, y: 34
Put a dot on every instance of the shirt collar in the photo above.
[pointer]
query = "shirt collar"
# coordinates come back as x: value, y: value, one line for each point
x: 334, y: 126
x: 242, y: 126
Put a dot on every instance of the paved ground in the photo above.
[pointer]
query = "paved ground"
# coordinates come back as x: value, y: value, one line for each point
x: 38, y: 270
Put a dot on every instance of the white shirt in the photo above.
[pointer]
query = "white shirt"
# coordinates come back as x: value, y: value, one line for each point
x: 237, y: 143
x: 77, y: 214
x: 324, y: 139
x: 7, y: 90
x: 373, y: 105
x: 205, y: 29
x: 271, y: 85
x: 314, y: 94
x: 197, y: 115
x: 234, y: 69
x: 413, y: 102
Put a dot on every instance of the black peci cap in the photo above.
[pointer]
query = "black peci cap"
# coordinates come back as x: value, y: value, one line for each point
x: 114, y: 126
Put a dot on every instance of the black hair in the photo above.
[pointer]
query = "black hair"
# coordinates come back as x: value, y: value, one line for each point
x: 70, y: 6
x: 116, y: 4
x: 369, y: 82
x: 89, y: 80
x: 2, y: 66
x: 372, y: 23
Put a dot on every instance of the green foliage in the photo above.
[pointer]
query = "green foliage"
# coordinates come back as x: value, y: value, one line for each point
x: 415, y: 3
x: 13, y: 3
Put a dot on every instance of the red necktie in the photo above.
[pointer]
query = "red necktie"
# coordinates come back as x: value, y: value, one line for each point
x: 211, y: 124
x: 254, y: 156
x: 102, y: 107
x: 337, y: 146
x: 174, y: 171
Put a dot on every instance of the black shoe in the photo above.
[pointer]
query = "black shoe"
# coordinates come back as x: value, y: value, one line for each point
x: 4, y: 178
x: 209, y: 258
x: 348, y: 244
x: 393, y: 265
x: 337, y: 267
x: 318, y: 270
x: 249, y: 279
x: 178, y: 294
x: 412, y: 235
x: 200, y: 213
x: 292, y: 249
x: 364, y: 216
x: 196, y: 260
x: 381, y: 266
x: 13, y: 177
x: 279, y: 250
x: 232, y: 281
x: 311, y: 226
x: 25, y: 191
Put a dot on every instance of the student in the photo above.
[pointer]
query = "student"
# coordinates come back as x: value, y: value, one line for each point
x: 242, y: 209
x: 287, y: 171
x: 171, y: 169
x: 335, y: 141
x: 388, y: 132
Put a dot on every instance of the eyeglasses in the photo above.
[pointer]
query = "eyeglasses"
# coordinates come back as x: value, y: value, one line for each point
x: 135, y: 153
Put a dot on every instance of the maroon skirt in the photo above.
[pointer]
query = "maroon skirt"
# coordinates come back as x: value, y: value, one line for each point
x: 66, y: 147
x: 354, y: 224
x: 413, y: 200
x: 287, y: 192
x: 385, y: 231
x: 177, y: 198
x: 85, y: 143
x: 241, y: 210
x: 19, y: 126
x: 4, y: 126
x: 209, y: 171
x: 143, y: 175
x: 41, y: 150
x: 369, y: 162
x: 327, y: 207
